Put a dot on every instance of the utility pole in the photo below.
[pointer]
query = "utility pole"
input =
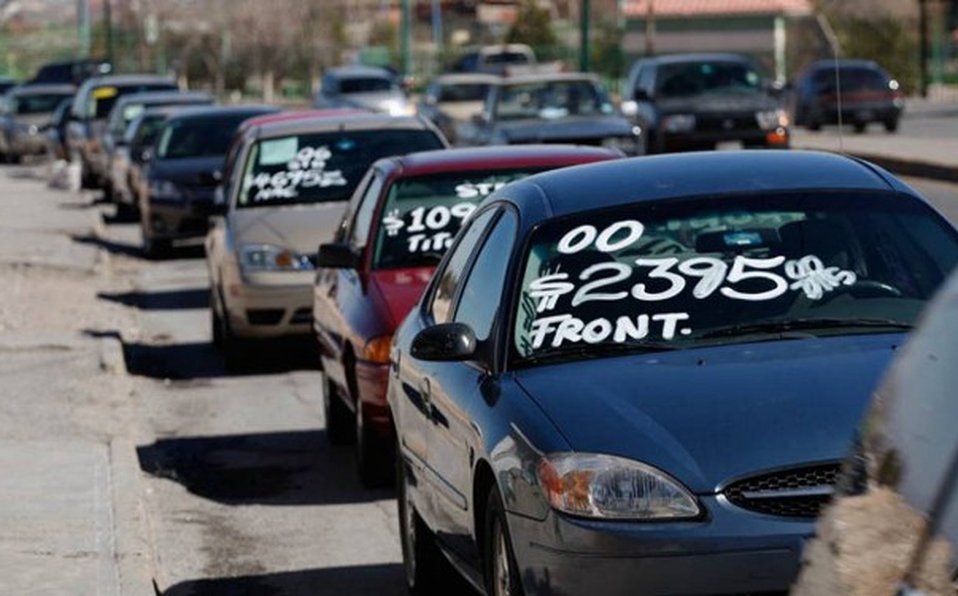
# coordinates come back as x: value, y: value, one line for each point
x: 585, y: 18
x: 437, y: 25
x: 650, y: 29
x: 404, y: 30
x: 108, y: 29
x: 923, y: 46
x: 83, y: 28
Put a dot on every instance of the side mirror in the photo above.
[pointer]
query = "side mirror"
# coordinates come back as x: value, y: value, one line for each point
x: 448, y: 342
x: 219, y: 201
x: 337, y: 255
x: 641, y: 95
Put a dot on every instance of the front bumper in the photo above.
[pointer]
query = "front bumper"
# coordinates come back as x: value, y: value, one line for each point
x: 28, y: 144
x: 731, y: 551
x: 271, y: 304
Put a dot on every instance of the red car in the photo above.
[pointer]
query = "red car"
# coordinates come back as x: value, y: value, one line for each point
x: 398, y: 224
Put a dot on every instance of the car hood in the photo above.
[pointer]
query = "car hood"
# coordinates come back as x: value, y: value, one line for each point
x: 298, y: 227
x: 189, y: 172
x: 377, y: 102
x: 38, y: 120
x: 708, y: 416
x: 396, y: 291
x: 718, y: 104
x: 572, y: 128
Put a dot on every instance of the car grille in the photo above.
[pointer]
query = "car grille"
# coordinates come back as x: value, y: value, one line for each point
x: 264, y: 316
x: 731, y: 123
x: 798, y: 492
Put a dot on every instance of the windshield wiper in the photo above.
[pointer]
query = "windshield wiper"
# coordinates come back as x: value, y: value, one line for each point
x: 786, y: 325
x: 599, y: 350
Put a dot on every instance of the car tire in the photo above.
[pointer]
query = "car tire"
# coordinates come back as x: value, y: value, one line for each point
x: 126, y: 212
x: 426, y: 569
x: 340, y: 428
x: 891, y: 125
x: 375, y: 459
x: 500, y: 572
x: 235, y: 350
x: 860, y: 127
x: 156, y: 248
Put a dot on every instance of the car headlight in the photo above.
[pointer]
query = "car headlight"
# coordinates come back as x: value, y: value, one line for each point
x: 164, y: 190
x: 611, y: 487
x: 630, y: 107
x: 399, y: 108
x: 624, y: 144
x: 771, y: 119
x: 266, y: 257
x: 678, y: 123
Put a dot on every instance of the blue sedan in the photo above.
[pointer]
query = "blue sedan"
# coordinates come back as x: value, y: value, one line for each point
x: 641, y: 376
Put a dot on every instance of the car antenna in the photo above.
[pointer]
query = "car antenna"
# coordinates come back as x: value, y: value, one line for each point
x: 836, y: 48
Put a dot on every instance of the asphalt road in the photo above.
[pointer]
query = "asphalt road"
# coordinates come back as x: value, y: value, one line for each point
x: 242, y: 493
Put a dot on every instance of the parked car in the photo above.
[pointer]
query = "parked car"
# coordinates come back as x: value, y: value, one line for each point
x: 363, y: 87
x: 868, y: 94
x: 566, y: 108
x: 57, y: 131
x: 91, y: 107
x: 451, y: 101
x: 393, y: 234
x: 495, y: 59
x: 28, y: 113
x: 6, y: 84
x: 127, y: 108
x: 182, y: 171
x: 645, y: 372
x: 893, y: 529
x: 71, y: 72
x: 704, y: 101
x: 285, y: 194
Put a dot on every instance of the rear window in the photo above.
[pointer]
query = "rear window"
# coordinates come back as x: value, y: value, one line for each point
x: 464, y: 92
x: 319, y: 167
x: 852, y: 79
x: 422, y: 214
x: 506, y: 58
x: 690, y: 79
x: 37, y: 104
x: 103, y: 98
x: 700, y: 272
x: 365, y: 84
x: 199, y: 136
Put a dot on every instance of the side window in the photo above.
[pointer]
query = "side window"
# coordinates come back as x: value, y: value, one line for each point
x: 481, y: 294
x: 647, y: 80
x: 364, y: 212
x: 448, y: 282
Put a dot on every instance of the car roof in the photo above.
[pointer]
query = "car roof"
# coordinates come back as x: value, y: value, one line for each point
x: 200, y: 112
x: 299, y: 115
x: 467, y: 78
x: 547, y: 77
x: 164, y: 96
x: 698, y: 57
x: 844, y: 63
x: 133, y: 79
x: 474, y: 158
x: 662, y: 177
x: 359, y: 70
x: 358, y: 121
x: 44, y: 88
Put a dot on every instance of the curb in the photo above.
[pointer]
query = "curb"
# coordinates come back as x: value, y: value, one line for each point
x: 111, y: 355
x: 134, y: 552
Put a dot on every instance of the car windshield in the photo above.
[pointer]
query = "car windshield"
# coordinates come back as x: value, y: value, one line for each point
x: 320, y: 167
x: 689, y: 79
x: 690, y: 273
x: 463, y: 92
x: 365, y: 84
x: 102, y: 99
x: 199, y: 136
x: 550, y: 100
x: 505, y: 58
x: 422, y: 214
x: 37, y: 104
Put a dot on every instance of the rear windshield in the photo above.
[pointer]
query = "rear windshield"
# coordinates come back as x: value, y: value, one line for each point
x: 852, y: 79
x: 551, y: 100
x: 422, y: 214
x: 365, y: 84
x: 464, y: 92
x: 199, y: 136
x: 689, y: 79
x: 319, y: 167
x: 506, y: 58
x: 37, y: 104
x: 102, y: 99
x: 701, y: 272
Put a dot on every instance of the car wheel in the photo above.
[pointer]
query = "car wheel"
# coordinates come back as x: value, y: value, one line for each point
x: 374, y: 454
x: 425, y: 567
x: 126, y: 211
x: 499, y: 563
x: 891, y: 125
x: 860, y: 127
x: 236, y: 354
x: 156, y: 248
x: 340, y: 428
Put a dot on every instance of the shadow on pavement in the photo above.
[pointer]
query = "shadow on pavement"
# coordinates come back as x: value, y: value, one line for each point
x: 185, y: 299
x: 274, y: 468
x: 360, y: 580
x: 135, y: 251
x: 202, y: 360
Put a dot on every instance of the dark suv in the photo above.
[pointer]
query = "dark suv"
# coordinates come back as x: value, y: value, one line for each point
x: 868, y: 94
x: 703, y: 101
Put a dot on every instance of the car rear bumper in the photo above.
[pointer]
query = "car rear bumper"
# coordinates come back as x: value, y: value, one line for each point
x: 861, y: 112
x: 732, y: 551
x: 710, y: 139
x: 262, y: 308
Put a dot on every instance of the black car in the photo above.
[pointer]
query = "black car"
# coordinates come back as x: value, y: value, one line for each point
x: 71, y: 72
x: 704, y: 101
x: 27, y: 116
x: 6, y: 84
x: 868, y: 94
x: 183, y: 172
x: 641, y: 376
x: 565, y: 108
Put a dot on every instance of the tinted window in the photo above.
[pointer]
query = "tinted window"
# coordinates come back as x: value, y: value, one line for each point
x: 464, y: 92
x: 144, y: 134
x: 37, y: 104
x: 450, y: 277
x: 103, y: 98
x: 506, y: 58
x: 320, y: 167
x: 549, y: 100
x: 851, y: 79
x: 687, y: 79
x: 705, y: 271
x: 365, y: 84
x: 199, y: 136
x: 422, y: 214
x: 482, y: 291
